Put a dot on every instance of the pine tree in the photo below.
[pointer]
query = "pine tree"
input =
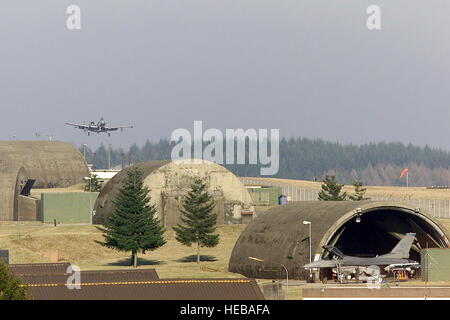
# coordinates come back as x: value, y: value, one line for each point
x: 331, y: 190
x: 198, y: 218
x: 10, y: 286
x: 93, y: 184
x: 359, y: 191
x: 133, y: 226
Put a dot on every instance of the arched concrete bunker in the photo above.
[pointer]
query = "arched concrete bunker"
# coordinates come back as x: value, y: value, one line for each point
x: 279, y: 236
x: 169, y: 181
x: 53, y: 164
x: 49, y: 163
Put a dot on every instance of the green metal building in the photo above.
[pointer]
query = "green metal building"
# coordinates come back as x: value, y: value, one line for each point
x: 265, y: 196
x: 435, y: 264
x: 67, y: 207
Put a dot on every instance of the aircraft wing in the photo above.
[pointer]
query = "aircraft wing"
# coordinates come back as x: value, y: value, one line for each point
x: 321, y: 264
x: 117, y: 128
x: 80, y: 126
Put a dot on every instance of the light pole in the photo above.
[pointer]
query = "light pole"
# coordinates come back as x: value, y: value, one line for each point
x: 285, y: 269
x: 90, y: 197
x: 309, y: 240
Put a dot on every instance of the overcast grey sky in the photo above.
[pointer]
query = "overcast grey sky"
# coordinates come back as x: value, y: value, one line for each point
x: 309, y: 68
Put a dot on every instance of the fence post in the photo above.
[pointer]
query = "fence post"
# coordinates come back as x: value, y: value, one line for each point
x: 439, y: 208
x: 434, y: 207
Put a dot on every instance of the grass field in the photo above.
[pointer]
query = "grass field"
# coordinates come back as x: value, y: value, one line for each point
x: 37, y: 243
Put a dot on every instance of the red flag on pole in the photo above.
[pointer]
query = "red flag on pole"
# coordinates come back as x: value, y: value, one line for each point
x: 403, y: 172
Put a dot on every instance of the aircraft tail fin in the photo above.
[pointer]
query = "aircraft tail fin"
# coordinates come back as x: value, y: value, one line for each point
x: 335, y: 251
x: 401, y: 250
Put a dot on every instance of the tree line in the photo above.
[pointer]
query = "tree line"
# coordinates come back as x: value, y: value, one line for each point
x: 312, y: 159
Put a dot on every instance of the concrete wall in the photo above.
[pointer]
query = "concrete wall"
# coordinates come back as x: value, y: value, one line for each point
x: 12, y: 180
x: 401, y: 293
x: 272, y: 290
x: 67, y: 207
x: 29, y: 208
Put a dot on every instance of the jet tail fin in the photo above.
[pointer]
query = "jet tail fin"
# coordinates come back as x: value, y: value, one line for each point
x: 401, y: 250
x: 335, y: 251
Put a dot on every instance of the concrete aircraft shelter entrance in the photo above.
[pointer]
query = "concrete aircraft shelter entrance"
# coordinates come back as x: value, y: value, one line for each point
x: 365, y: 228
x: 379, y: 229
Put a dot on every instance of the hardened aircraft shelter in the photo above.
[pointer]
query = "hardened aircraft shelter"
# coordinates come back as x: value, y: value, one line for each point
x: 280, y: 236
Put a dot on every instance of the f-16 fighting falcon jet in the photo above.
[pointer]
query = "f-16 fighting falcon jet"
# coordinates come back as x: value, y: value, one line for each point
x: 97, y: 127
x: 398, y: 258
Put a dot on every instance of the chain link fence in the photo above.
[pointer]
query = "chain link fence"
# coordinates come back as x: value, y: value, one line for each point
x: 435, y: 207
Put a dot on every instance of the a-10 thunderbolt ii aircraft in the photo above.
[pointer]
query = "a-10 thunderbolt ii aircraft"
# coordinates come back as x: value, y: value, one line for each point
x: 98, y: 127
x: 369, y: 268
